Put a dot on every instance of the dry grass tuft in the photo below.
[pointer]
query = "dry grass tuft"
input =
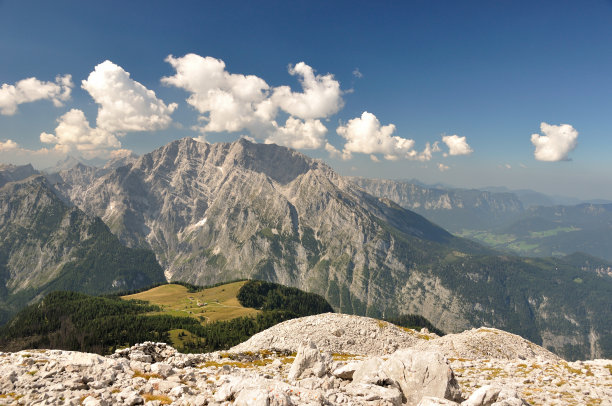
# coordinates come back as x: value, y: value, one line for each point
x: 162, y: 399
x: 140, y: 374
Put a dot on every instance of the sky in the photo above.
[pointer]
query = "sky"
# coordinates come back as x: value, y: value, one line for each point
x: 468, y: 94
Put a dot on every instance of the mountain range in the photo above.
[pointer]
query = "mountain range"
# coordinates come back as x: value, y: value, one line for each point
x: 216, y: 212
x: 47, y: 245
x: 508, y: 221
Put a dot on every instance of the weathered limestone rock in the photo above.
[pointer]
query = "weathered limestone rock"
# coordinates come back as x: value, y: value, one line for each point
x: 92, y: 401
x: 433, y: 401
x: 346, y: 371
x: 309, y: 362
x: 422, y: 374
x: 373, y: 393
x: 252, y: 397
x: 81, y: 359
x: 492, y: 395
x: 162, y: 369
x: 229, y: 388
x: 140, y: 356
x: 350, y: 334
x: 147, y: 352
x: 49, y: 377
x: 484, y: 396
x: 371, y: 371
x: 416, y: 374
x: 486, y: 343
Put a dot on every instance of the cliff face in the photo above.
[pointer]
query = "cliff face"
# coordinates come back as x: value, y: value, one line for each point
x: 240, y: 210
x: 216, y: 212
x: 47, y: 245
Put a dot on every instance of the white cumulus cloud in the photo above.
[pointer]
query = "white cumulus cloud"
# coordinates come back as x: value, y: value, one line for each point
x: 121, y: 153
x: 31, y: 89
x: 73, y: 132
x: 366, y: 135
x: 457, y: 145
x: 427, y: 153
x: 442, y: 167
x: 321, y: 96
x: 233, y: 102
x: 335, y: 153
x: 298, y: 134
x: 228, y: 101
x: 8, y: 145
x: 124, y: 104
x: 12, y: 152
x: 556, y: 143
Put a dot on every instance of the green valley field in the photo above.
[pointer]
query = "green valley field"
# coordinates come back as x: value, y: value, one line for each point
x: 192, y: 319
x: 218, y: 303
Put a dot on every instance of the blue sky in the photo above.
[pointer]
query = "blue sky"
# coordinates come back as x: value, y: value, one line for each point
x: 489, y: 71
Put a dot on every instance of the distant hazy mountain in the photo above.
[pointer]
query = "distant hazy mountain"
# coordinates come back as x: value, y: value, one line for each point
x: 241, y: 210
x: 453, y: 209
x: 527, y: 197
x: 82, y: 174
x: 119, y: 161
x: 553, y: 230
x: 504, y: 220
x: 13, y: 173
x: 46, y: 245
x: 98, y: 164
x: 532, y: 198
x: 71, y: 161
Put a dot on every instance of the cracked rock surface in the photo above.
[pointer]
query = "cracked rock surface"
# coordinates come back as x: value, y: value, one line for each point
x: 311, y: 372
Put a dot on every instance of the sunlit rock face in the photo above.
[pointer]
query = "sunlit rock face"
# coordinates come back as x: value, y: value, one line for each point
x: 218, y: 212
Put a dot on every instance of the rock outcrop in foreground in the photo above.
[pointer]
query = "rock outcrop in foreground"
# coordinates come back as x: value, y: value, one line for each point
x: 386, y: 365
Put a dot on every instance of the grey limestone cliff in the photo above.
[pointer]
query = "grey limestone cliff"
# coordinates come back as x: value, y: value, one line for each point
x: 215, y: 212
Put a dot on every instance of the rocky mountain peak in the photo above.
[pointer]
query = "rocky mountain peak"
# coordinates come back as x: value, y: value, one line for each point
x: 217, y: 212
x: 33, y: 191
x: 71, y: 161
x: 280, y: 164
x: 13, y: 173
x: 17, y: 169
x: 119, y: 161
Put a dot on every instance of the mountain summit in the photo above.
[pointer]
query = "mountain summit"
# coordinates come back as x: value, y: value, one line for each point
x: 242, y: 209
x: 215, y: 212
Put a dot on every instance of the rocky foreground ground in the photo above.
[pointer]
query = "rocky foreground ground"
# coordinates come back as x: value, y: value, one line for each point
x: 326, y: 359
